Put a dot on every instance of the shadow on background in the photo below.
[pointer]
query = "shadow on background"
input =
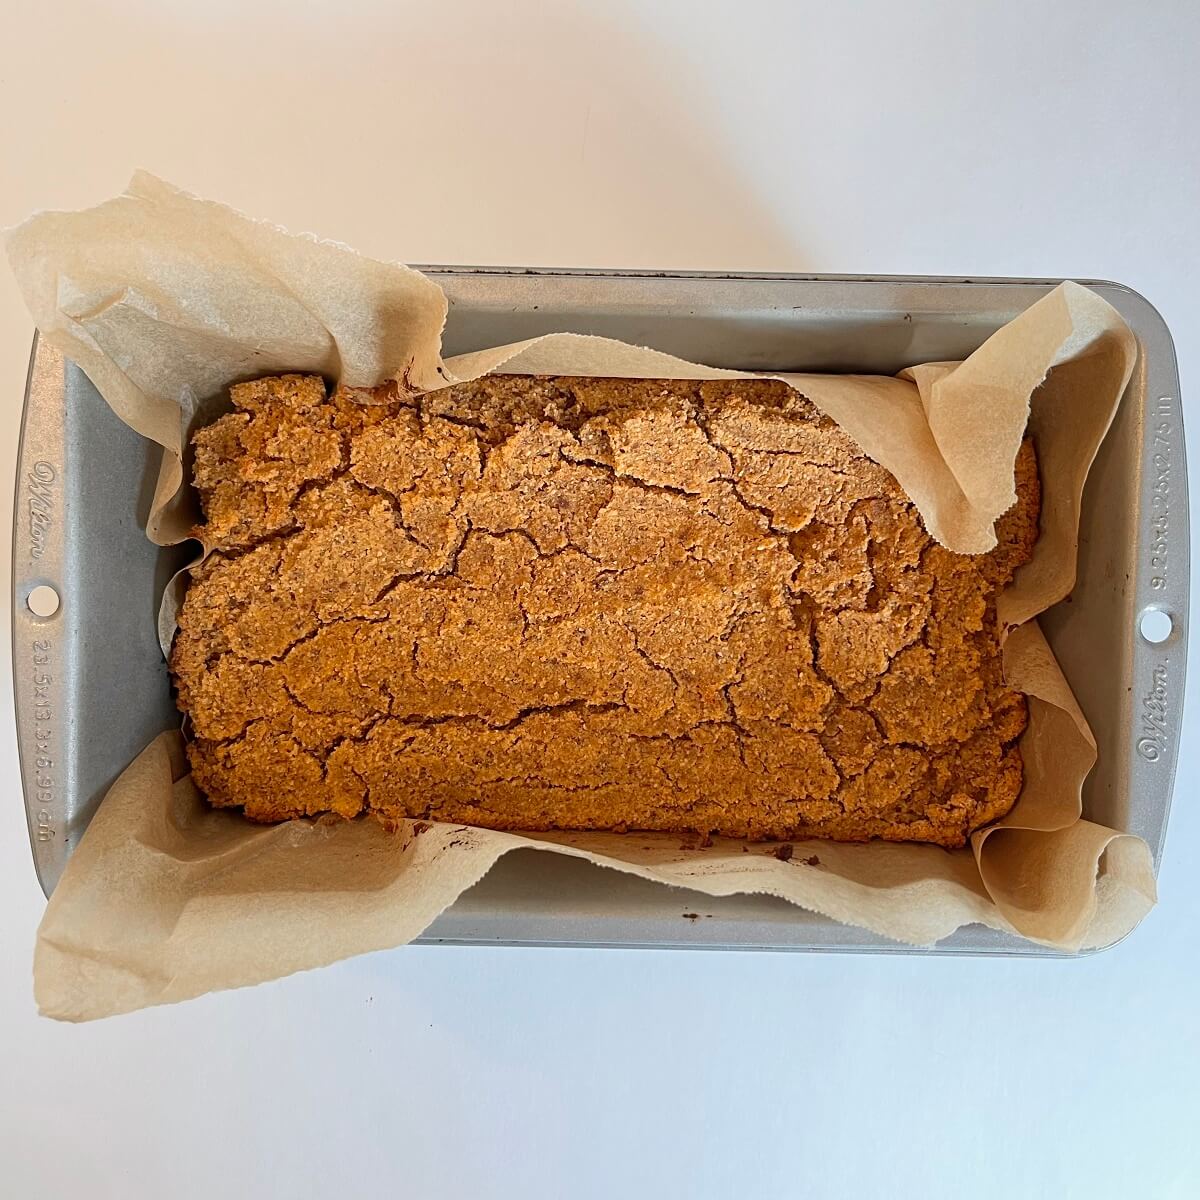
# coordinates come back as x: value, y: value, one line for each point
x: 596, y: 147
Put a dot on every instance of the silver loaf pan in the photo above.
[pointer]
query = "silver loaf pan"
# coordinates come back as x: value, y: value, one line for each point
x: 92, y: 688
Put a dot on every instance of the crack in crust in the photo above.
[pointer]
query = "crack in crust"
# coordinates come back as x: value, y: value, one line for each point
x: 554, y: 603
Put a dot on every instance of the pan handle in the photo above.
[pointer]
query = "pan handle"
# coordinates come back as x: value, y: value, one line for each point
x: 43, y: 617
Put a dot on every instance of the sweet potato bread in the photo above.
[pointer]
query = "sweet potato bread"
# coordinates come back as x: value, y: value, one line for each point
x: 558, y: 603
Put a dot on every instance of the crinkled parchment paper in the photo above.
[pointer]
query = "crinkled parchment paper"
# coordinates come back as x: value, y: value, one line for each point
x: 165, y: 300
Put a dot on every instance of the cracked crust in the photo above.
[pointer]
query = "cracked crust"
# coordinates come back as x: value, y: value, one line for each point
x: 551, y: 603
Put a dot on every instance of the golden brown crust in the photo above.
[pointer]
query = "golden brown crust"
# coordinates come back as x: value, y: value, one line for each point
x: 534, y: 603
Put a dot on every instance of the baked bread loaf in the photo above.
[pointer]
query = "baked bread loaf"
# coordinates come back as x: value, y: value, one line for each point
x: 557, y: 603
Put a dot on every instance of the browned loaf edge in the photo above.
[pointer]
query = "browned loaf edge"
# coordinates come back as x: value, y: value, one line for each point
x: 554, y: 603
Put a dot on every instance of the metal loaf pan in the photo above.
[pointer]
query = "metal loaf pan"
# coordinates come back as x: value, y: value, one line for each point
x: 92, y: 689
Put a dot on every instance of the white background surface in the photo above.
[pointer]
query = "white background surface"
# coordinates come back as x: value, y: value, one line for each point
x: 976, y: 138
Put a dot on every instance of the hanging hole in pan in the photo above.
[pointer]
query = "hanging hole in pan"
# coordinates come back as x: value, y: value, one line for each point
x: 43, y: 601
x: 1155, y: 625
